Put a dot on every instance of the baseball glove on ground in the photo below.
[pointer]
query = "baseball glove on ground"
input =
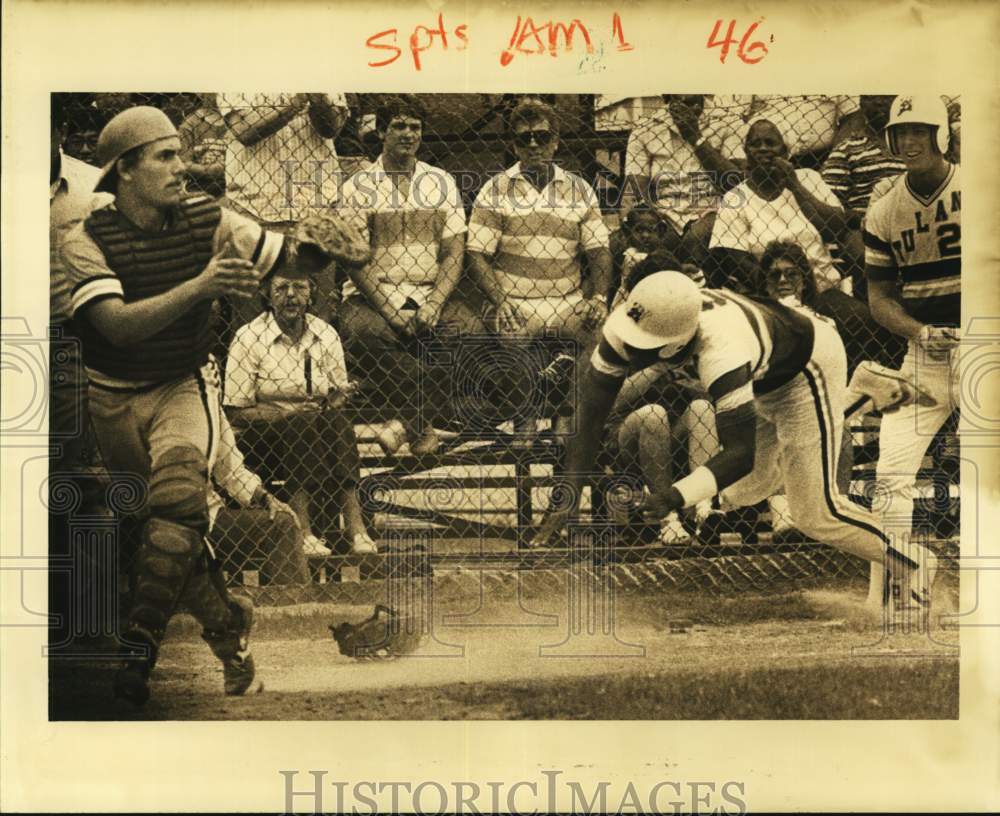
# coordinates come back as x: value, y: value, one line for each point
x: 383, y: 636
x: 331, y: 237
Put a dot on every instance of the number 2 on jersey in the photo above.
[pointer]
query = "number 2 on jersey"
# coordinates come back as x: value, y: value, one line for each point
x: 949, y: 240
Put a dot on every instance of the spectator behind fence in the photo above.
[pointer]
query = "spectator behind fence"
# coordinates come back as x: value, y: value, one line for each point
x: 853, y: 168
x: 286, y: 390
x: 411, y: 212
x: 640, y: 237
x: 263, y: 531
x: 861, y: 159
x: 813, y: 123
x: 528, y: 229
x: 204, y: 135
x: 788, y: 279
x: 671, y: 165
x: 281, y: 165
x: 776, y: 202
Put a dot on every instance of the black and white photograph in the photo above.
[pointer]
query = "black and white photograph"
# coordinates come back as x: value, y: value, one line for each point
x: 407, y: 405
x: 382, y: 389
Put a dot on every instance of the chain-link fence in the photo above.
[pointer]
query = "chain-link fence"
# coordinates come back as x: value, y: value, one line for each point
x: 423, y: 405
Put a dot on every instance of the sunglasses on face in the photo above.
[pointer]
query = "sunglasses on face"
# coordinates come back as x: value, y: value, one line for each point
x: 540, y: 137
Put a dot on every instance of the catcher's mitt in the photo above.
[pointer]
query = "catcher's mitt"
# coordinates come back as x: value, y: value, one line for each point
x: 383, y: 636
x: 326, y: 235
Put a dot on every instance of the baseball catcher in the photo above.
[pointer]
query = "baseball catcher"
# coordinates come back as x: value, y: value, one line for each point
x: 383, y: 636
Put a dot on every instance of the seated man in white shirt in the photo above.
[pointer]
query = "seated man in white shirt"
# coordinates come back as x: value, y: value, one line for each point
x: 411, y: 213
x: 286, y: 388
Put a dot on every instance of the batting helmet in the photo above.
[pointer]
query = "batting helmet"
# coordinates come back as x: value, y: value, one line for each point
x: 918, y: 110
x: 660, y: 312
x: 129, y: 129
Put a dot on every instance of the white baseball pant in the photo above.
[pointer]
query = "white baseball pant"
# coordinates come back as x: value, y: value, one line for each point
x: 799, y: 428
x: 903, y: 441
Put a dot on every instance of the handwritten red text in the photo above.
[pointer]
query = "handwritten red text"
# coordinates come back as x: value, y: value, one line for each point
x: 420, y: 40
x: 746, y: 48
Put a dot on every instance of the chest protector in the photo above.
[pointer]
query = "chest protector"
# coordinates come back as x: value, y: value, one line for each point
x: 149, y: 264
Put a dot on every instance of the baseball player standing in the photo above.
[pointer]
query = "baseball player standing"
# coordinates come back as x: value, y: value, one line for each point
x: 778, y: 379
x: 143, y: 273
x: 913, y: 261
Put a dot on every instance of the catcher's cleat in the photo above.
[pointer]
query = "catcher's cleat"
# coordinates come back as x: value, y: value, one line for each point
x: 239, y: 670
x: 232, y: 648
x: 132, y: 682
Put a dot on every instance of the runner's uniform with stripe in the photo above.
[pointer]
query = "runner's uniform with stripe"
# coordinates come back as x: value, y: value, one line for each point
x: 785, y: 370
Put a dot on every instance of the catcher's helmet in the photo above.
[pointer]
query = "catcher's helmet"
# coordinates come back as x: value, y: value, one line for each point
x: 660, y: 312
x: 918, y: 110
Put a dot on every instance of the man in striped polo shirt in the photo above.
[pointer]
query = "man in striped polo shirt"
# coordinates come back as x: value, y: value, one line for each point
x: 862, y: 159
x: 412, y: 215
x: 913, y: 256
x: 143, y: 272
x: 530, y: 228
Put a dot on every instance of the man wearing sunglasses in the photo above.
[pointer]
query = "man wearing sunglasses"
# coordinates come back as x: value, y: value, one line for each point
x: 530, y: 228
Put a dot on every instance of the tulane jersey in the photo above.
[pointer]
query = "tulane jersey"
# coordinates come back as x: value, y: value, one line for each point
x: 916, y: 241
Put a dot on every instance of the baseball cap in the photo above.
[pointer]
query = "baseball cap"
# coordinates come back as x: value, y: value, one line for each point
x: 129, y: 129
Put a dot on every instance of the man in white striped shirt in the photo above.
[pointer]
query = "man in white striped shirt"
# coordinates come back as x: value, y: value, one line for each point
x: 529, y: 230
x: 411, y: 213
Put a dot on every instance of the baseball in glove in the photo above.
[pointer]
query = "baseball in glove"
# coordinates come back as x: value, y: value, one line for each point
x: 324, y: 236
x: 384, y: 636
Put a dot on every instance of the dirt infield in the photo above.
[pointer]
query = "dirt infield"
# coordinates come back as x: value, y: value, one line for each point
x: 791, y: 655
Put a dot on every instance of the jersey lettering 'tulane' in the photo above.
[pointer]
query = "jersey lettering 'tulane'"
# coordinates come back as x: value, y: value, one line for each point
x: 745, y: 345
x: 917, y: 241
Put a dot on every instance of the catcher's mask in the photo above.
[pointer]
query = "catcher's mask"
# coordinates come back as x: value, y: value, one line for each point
x: 382, y: 636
